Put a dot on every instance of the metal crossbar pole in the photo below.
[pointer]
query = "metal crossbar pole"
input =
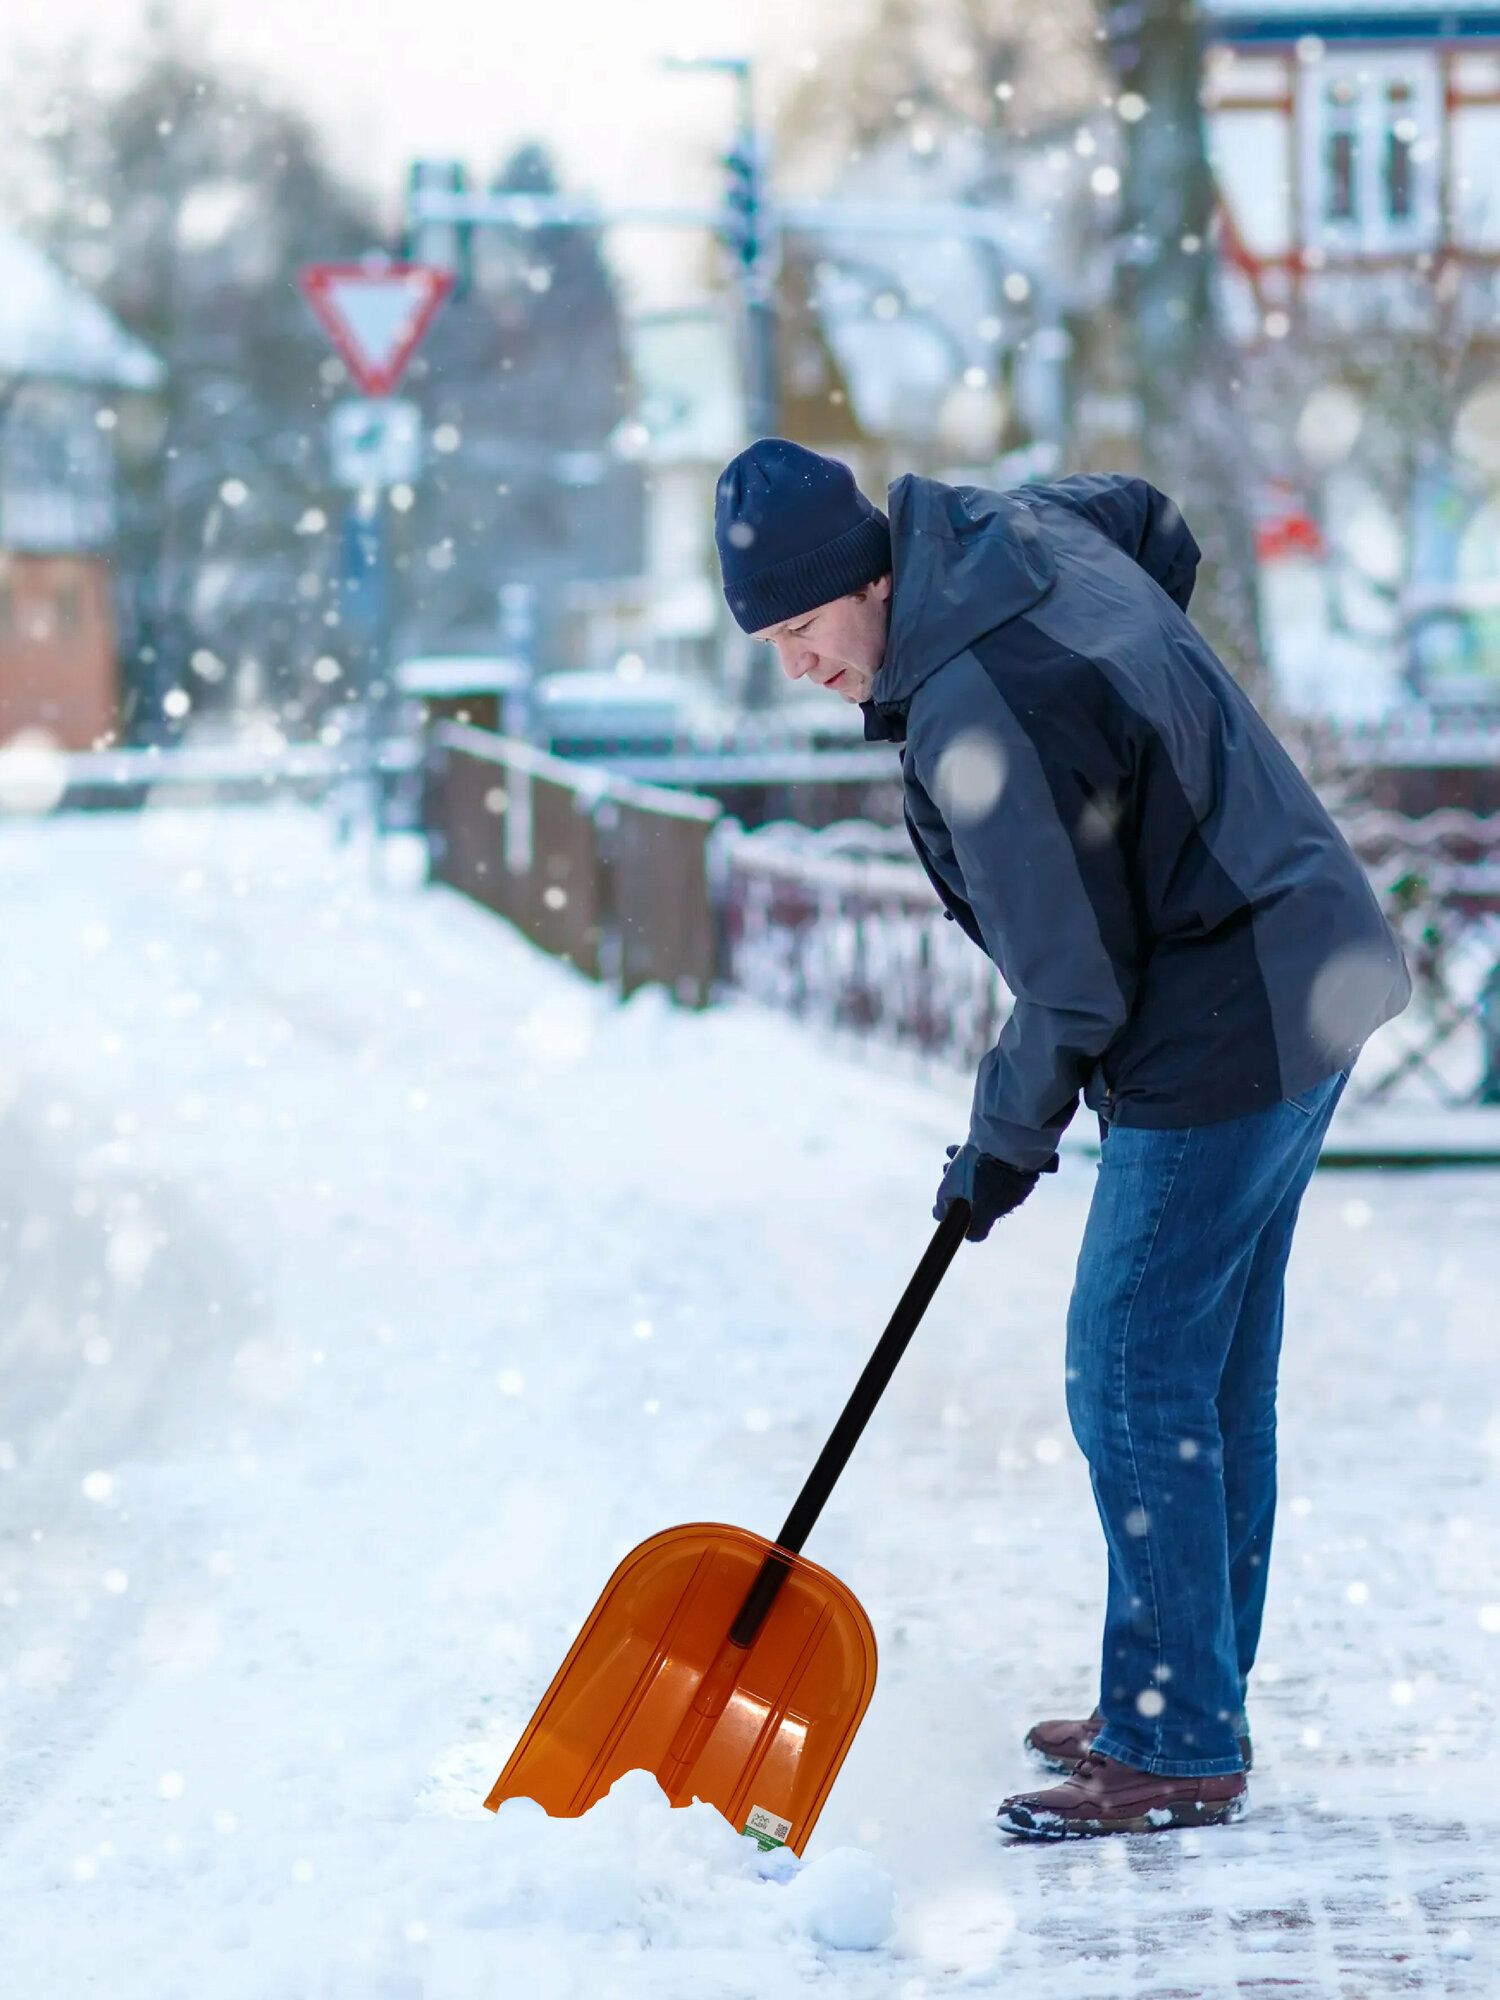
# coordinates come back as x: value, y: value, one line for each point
x: 559, y: 211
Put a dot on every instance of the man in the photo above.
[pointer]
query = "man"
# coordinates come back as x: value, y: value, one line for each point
x: 1192, y: 948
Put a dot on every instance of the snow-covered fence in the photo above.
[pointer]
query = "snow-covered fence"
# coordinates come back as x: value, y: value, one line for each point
x: 598, y: 869
x: 835, y: 927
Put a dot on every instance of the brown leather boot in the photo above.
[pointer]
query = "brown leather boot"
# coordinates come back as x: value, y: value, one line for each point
x: 1058, y: 1746
x: 1102, y: 1796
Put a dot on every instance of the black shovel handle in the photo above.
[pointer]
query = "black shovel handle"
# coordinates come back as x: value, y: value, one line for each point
x: 868, y: 1391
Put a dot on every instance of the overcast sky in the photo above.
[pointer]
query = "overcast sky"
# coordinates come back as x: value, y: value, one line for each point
x: 392, y: 79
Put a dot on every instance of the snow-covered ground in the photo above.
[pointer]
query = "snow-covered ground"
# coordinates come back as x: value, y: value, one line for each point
x: 372, y: 1283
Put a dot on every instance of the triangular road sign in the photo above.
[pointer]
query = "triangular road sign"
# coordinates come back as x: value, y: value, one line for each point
x: 375, y: 314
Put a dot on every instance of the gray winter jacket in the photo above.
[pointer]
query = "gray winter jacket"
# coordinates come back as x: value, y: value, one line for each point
x: 1187, y: 935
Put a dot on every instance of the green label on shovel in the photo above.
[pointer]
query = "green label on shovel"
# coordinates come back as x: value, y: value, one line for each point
x: 766, y: 1829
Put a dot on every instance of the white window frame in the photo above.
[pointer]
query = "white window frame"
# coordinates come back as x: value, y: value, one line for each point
x: 1372, y: 230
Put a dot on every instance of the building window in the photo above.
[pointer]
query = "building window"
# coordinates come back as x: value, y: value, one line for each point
x: 1341, y: 151
x: 69, y: 608
x: 1400, y: 138
x: 1370, y: 123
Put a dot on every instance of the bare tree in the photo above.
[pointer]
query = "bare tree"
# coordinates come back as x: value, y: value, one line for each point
x: 1185, y: 375
x: 1001, y: 66
x: 1394, y: 440
x: 527, y: 374
x: 185, y: 196
x: 1020, y: 74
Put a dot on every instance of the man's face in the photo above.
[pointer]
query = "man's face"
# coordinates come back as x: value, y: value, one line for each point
x: 838, y: 646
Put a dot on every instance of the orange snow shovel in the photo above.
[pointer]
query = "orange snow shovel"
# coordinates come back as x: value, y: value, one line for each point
x: 728, y: 1665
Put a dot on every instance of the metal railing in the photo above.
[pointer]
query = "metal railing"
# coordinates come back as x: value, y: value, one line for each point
x: 855, y: 940
x: 1438, y: 879
x: 859, y: 941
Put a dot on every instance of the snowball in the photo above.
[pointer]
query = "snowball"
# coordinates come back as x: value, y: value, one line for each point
x: 843, y: 1899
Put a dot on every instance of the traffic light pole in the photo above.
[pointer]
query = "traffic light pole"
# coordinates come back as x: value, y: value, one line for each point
x: 756, y: 250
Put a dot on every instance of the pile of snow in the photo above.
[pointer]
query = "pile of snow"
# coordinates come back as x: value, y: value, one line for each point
x: 514, y: 1903
x: 683, y: 1878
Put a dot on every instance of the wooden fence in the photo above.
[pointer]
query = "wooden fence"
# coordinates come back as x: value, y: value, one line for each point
x: 602, y: 871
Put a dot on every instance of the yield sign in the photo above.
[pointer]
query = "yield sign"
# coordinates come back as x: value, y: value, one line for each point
x: 375, y: 314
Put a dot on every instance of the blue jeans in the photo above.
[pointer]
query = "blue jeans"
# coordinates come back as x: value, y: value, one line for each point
x: 1174, y: 1333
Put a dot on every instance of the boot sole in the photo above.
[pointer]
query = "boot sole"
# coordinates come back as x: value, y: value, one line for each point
x: 1160, y: 1819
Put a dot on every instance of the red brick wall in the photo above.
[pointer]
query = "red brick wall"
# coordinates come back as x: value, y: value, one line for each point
x: 57, y: 649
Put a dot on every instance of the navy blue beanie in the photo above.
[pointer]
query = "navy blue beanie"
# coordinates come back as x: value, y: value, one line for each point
x: 794, y: 531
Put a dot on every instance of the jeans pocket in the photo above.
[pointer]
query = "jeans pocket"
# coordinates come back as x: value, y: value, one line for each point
x: 1311, y: 1102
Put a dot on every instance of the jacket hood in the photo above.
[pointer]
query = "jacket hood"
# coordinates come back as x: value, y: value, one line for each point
x: 963, y: 560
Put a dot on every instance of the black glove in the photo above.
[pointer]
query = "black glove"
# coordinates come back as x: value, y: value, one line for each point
x: 989, y: 1186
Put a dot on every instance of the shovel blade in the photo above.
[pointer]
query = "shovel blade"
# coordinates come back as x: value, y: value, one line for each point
x: 620, y: 1699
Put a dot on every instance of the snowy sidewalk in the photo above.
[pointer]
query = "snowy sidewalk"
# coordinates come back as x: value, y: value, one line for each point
x: 372, y: 1284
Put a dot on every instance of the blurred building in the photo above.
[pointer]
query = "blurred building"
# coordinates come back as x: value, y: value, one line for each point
x: 1357, y: 152
x: 65, y: 364
x: 1357, y: 155
x: 951, y: 353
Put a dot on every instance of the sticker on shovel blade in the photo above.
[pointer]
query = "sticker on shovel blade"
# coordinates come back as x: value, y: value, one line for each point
x: 766, y: 1829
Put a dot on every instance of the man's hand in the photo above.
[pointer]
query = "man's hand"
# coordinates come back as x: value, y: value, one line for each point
x: 988, y: 1185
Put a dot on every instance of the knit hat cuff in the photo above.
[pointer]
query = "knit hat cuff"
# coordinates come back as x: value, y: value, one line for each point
x: 802, y: 582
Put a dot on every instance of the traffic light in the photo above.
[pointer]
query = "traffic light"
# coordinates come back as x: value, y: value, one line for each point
x: 744, y: 202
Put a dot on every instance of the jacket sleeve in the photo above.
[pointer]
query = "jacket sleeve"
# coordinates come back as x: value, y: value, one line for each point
x: 985, y: 812
x: 1138, y: 519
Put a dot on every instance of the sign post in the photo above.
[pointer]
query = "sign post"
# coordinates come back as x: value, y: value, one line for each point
x: 375, y: 313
